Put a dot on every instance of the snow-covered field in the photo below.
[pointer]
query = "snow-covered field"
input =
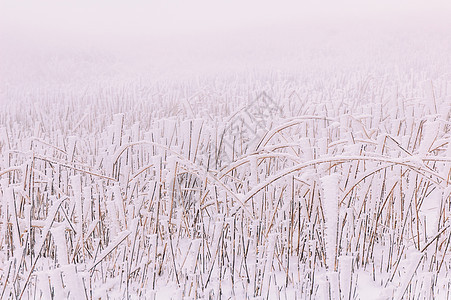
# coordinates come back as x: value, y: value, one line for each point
x: 296, y: 163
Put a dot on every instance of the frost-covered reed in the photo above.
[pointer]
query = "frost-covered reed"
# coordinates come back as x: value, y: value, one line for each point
x: 135, y: 191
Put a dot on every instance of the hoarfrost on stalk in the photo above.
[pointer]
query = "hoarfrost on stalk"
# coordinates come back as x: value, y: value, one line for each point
x: 330, y: 190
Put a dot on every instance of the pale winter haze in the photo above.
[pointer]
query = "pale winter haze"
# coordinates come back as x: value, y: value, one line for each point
x: 199, y: 37
x: 225, y: 150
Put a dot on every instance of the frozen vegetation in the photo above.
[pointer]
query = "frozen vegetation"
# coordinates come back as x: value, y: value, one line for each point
x: 324, y: 173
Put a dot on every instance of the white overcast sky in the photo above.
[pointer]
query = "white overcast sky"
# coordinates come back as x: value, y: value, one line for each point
x: 138, y: 34
x: 195, y: 16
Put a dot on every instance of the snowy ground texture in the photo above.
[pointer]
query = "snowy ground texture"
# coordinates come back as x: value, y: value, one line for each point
x: 328, y: 180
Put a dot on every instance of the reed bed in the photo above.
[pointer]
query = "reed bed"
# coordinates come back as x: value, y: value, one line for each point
x: 161, y: 191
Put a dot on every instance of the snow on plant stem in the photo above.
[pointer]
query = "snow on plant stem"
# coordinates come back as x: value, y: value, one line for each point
x: 329, y: 202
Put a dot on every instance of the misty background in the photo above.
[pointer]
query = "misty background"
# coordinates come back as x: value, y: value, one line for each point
x: 80, y: 42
